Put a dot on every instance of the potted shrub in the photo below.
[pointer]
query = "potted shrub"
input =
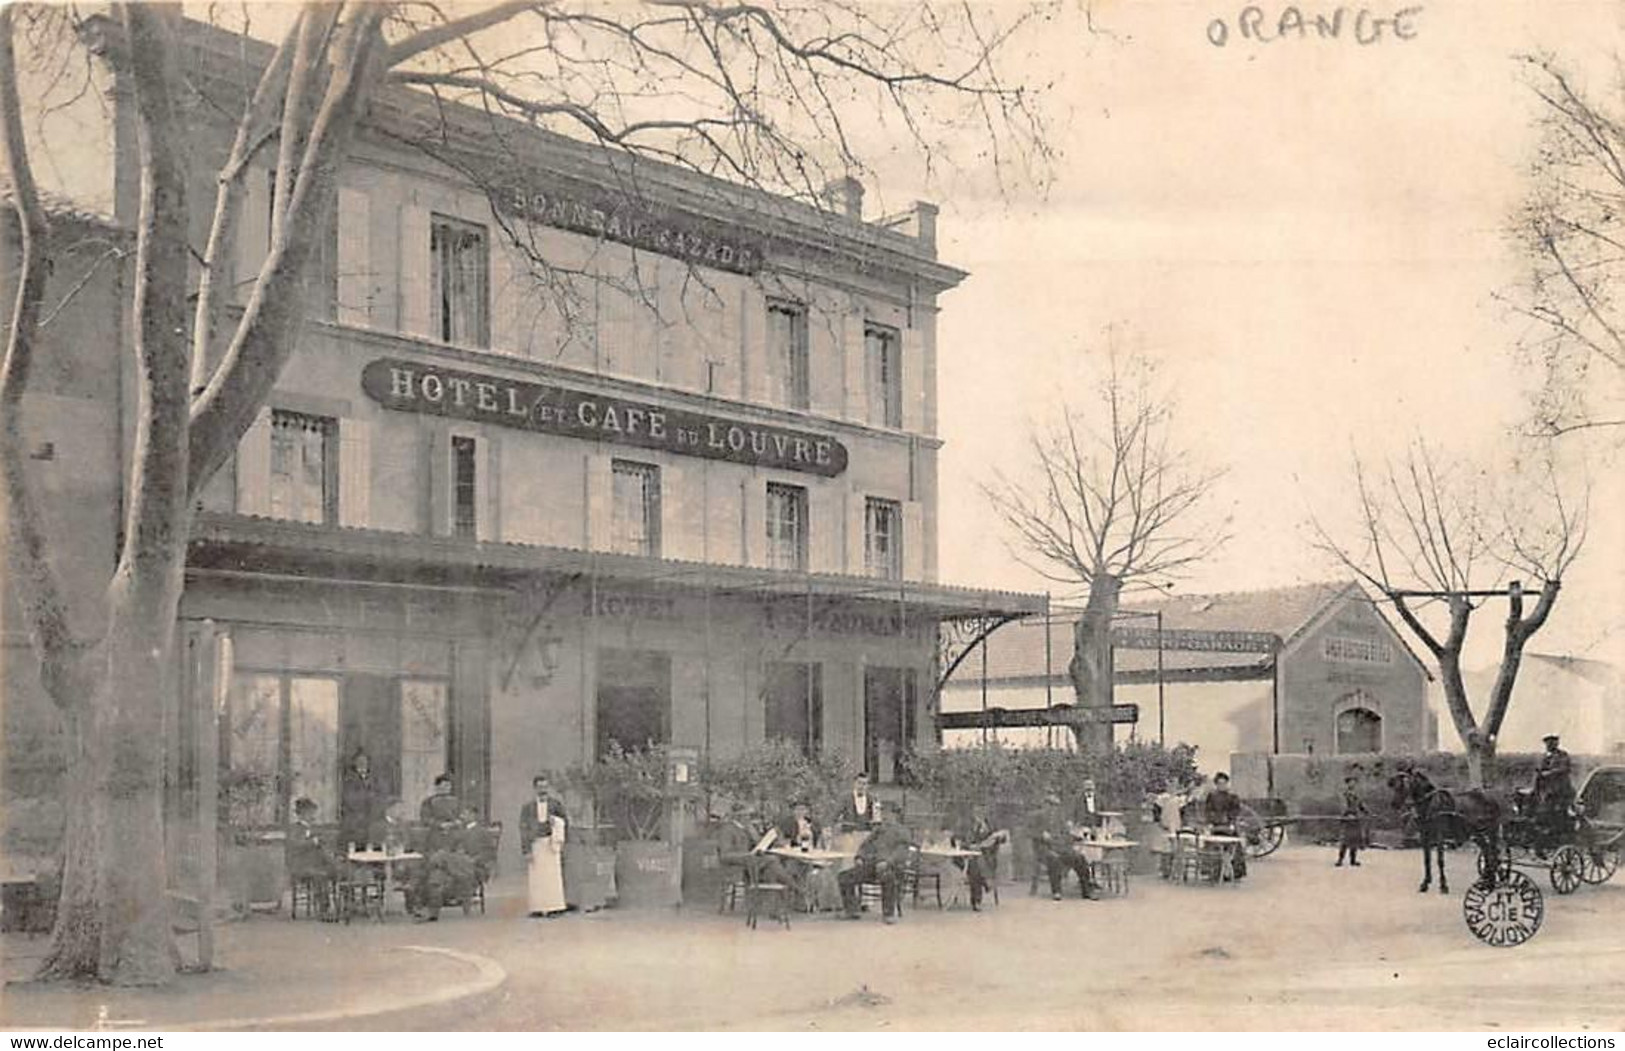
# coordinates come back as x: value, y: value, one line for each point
x: 632, y: 792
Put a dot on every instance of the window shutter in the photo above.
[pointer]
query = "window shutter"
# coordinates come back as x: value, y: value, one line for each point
x: 825, y: 510
x: 253, y: 231
x: 254, y: 467
x: 506, y: 293
x: 855, y: 356
x: 483, y: 511
x: 855, y: 536
x: 755, y: 522
x: 438, y: 480
x: 912, y: 352
x: 489, y: 481
x: 355, y: 473
x: 913, y: 540
x: 600, y: 503
x: 414, y: 259
x: 357, y: 284
x: 753, y: 343
x: 679, y: 522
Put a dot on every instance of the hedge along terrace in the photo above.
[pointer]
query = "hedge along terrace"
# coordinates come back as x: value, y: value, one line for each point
x: 1012, y: 782
x: 767, y: 779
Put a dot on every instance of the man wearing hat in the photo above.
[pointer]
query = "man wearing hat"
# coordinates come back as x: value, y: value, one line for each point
x: 1055, y: 851
x: 882, y: 858
x: 1554, y: 793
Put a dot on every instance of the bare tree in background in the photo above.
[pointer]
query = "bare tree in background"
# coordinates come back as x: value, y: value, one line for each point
x: 1445, y: 538
x: 766, y: 95
x: 1571, y: 227
x: 1117, y: 504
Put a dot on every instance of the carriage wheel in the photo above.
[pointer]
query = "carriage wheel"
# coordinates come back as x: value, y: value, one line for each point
x: 1264, y: 841
x: 1600, y: 864
x: 1505, y: 914
x: 1568, y: 865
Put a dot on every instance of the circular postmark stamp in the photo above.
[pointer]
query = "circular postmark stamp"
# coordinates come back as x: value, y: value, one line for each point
x: 1506, y: 914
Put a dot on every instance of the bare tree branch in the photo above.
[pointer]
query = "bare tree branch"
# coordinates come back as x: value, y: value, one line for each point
x: 1425, y: 529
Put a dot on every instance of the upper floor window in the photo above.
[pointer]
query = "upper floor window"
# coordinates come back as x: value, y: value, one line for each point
x: 464, y: 487
x: 636, y: 508
x: 304, y: 467
x: 787, y: 348
x: 459, y: 265
x: 883, y: 366
x: 883, y: 538
x: 786, y: 527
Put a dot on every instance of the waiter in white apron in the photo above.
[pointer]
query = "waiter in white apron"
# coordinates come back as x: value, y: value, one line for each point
x: 541, y: 839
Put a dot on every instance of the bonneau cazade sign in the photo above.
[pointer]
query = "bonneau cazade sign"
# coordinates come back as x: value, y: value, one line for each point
x: 409, y: 386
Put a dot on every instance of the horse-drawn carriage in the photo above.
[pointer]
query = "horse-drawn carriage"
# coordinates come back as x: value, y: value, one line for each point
x: 1575, y: 844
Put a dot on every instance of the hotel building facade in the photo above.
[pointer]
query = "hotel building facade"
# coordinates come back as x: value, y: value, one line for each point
x: 572, y: 451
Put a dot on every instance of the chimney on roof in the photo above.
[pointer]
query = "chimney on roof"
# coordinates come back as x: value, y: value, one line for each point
x: 844, y: 196
x: 925, y: 224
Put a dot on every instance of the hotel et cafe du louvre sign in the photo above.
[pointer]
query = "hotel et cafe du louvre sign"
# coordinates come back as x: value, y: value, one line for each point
x: 408, y: 386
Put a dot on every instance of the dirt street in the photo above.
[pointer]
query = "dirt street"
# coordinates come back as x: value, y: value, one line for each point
x: 1299, y: 944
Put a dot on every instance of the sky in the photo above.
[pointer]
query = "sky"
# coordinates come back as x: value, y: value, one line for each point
x: 1308, y: 235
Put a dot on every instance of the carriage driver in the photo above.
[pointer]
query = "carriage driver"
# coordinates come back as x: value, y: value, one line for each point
x: 1554, y: 793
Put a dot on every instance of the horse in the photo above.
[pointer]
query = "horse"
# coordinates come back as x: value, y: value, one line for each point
x: 1446, y: 817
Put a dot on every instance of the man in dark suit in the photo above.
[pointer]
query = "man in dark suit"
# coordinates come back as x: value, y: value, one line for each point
x: 737, y: 838
x: 976, y: 832
x: 1055, y: 850
x: 858, y: 809
x: 882, y: 858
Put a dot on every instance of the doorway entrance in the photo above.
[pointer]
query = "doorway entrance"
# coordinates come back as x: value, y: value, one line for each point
x: 634, y: 699
x: 888, y: 720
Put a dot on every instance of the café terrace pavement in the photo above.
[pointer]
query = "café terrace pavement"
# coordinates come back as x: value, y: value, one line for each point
x: 1298, y: 945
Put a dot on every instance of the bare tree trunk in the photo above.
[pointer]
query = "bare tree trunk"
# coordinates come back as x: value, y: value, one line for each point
x: 115, y: 926
x: 113, y: 918
x: 1480, y: 759
x: 1091, y: 666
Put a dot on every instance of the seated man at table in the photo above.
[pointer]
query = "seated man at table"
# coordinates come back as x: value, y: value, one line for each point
x: 1056, y: 851
x: 737, y: 840
x: 441, y: 813
x: 975, y: 831
x: 307, y: 857
x: 1222, y: 809
x: 882, y: 858
x: 799, y: 828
